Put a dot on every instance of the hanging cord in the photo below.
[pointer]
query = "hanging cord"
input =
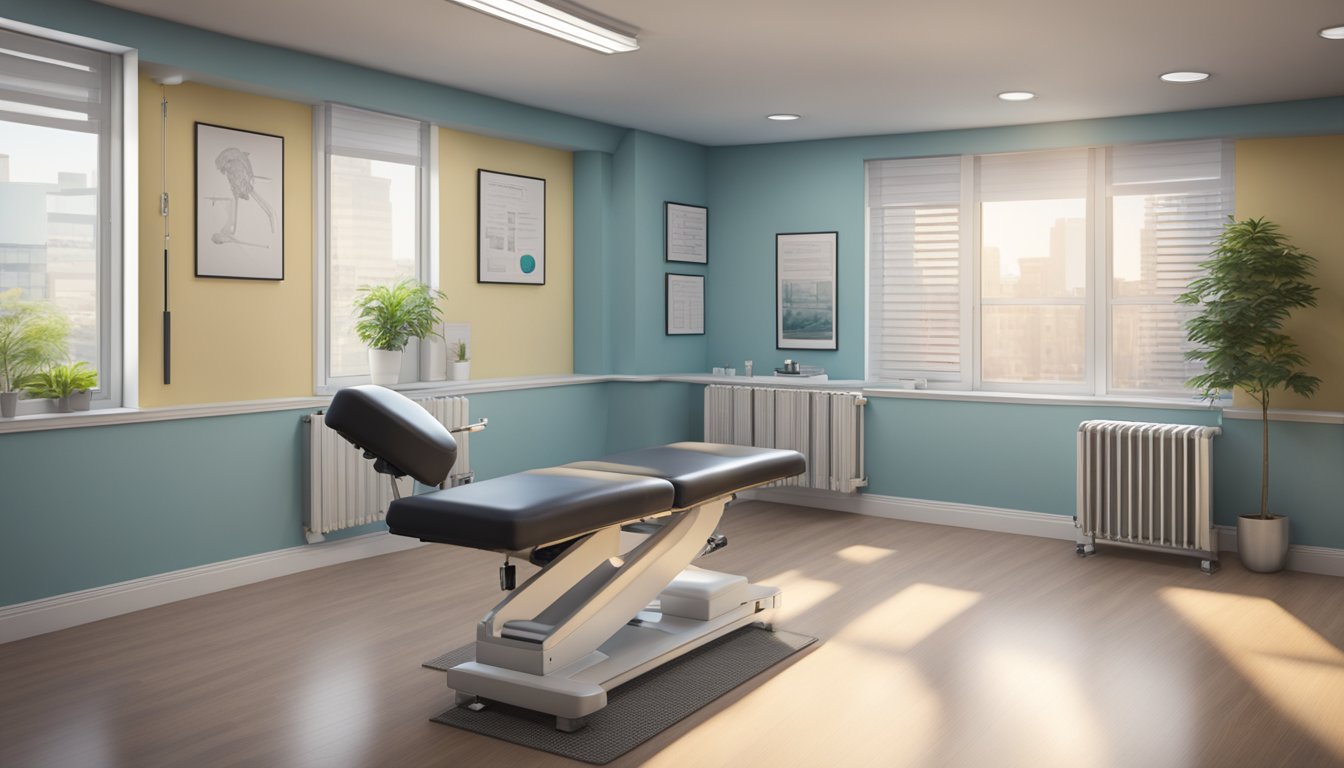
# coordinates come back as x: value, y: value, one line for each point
x: 163, y: 211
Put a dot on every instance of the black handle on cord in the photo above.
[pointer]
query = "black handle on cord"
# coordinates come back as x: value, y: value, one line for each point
x: 167, y: 327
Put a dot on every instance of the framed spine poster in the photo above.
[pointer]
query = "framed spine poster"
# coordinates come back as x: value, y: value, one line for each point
x: 685, y: 305
x: 685, y: 233
x: 805, y: 290
x: 240, y: 203
x: 510, y: 228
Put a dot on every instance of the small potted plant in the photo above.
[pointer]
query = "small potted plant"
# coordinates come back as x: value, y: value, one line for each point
x: 461, y: 364
x: 388, y: 317
x: 68, y: 384
x: 33, y: 335
x: 1252, y: 283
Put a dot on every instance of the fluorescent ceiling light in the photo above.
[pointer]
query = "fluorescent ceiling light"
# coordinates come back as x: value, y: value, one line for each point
x: 781, y: 116
x: 556, y: 23
x: 1185, y: 77
x: 1017, y: 95
x: 1333, y: 33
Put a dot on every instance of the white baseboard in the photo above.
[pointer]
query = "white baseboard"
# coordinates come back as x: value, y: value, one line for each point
x: 1321, y: 560
x: 49, y: 614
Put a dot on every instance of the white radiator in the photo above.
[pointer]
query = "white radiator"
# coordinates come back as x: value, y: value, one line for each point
x: 1147, y: 485
x: 343, y: 489
x: 826, y: 427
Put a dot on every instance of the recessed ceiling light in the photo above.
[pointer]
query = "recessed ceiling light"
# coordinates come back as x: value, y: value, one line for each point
x: 1017, y: 95
x: 1333, y: 33
x: 1185, y: 77
x: 782, y: 116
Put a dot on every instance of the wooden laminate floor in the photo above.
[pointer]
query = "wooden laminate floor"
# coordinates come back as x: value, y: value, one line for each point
x: 941, y: 647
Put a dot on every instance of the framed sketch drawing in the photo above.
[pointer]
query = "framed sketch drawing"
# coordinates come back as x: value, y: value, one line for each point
x: 510, y: 228
x: 805, y: 290
x: 240, y: 204
x: 685, y: 305
x: 685, y: 233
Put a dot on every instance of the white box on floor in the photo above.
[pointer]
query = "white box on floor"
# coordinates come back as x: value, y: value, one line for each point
x: 702, y: 595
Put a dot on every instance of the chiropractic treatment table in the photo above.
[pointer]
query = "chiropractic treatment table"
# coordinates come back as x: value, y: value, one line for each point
x: 617, y: 595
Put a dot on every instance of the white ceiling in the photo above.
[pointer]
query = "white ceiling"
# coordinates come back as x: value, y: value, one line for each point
x: 708, y: 71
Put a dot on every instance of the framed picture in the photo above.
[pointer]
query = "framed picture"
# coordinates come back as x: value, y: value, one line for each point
x: 685, y: 233
x: 805, y: 290
x: 240, y: 204
x: 510, y: 228
x: 685, y: 305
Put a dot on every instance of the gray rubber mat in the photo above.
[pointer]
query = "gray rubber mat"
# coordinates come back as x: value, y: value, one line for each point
x: 643, y: 707
x: 452, y: 658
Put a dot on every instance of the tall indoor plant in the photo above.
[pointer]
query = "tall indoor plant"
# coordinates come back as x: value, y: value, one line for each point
x: 33, y: 334
x: 1254, y: 280
x: 388, y: 317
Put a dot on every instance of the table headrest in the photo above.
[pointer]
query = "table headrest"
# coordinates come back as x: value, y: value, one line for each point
x: 401, y: 437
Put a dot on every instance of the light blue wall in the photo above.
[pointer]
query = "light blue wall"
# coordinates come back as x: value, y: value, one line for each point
x: 758, y: 191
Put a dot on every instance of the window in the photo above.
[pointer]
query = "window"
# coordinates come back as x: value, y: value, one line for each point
x: 60, y: 196
x: 374, y: 227
x: 1043, y: 271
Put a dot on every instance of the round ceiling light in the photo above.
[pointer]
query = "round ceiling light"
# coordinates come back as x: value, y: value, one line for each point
x: 1017, y: 95
x: 782, y: 116
x: 1185, y: 77
x: 1332, y: 33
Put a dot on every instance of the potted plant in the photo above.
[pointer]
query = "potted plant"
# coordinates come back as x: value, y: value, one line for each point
x: 1254, y: 280
x: 64, y: 383
x: 32, y: 335
x: 461, y: 365
x: 388, y: 317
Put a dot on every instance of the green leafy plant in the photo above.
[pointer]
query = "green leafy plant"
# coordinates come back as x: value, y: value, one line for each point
x: 389, y: 316
x: 33, y: 335
x: 61, y: 380
x: 1254, y: 280
x: 461, y: 351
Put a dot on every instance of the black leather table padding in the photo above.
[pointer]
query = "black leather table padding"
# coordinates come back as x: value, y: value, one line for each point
x: 524, y: 510
x: 393, y: 428
x: 703, y: 471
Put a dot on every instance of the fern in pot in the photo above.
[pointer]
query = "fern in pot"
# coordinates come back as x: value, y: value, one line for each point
x: 33, y: 335
x: 388, y: 317
x: 70, y: 385
x: 1255, y: 279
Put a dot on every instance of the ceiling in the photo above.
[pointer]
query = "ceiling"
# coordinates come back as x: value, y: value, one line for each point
x: 708, y: 71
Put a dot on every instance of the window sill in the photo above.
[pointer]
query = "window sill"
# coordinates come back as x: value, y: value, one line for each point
x: 980, y: 396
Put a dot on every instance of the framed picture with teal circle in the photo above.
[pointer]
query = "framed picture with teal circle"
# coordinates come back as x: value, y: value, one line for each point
x: 510, y: 228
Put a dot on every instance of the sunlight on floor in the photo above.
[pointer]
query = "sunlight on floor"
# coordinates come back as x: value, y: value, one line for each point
x: 907, y: 617
x: 1291, y: 665
x: 333, y: 714
x: 800, y: 593
x: 864, y: 554
x: 857, y: 708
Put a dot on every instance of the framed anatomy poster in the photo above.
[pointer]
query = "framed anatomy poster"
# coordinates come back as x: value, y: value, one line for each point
x: 685, y: 295
x: 805, y: 292
x: 240, y: 203
x: 511, y: 228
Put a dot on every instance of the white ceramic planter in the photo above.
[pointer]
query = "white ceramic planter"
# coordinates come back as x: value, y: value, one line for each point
x: 1263, y: 544
x: 461, y: 370
x: 80, y: 400
x: 384, y: 366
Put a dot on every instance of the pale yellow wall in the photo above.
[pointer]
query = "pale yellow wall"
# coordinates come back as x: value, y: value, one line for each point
x: 516, y: 330
x: 1298, y: 183
x: 232, y: 339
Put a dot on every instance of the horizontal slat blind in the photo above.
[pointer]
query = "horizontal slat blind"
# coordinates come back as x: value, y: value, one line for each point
x: 43, y: 82
x: 915, y: 288
x: 1055, y: 175
x: 372, y: 135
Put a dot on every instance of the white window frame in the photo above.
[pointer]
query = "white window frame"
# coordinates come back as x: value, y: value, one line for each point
x: 416, y: 361
x: 119, y: 230
x: 1098, y: 303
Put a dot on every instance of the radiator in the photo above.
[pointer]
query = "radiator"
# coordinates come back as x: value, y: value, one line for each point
x: 343, y: 489
x: 826, y: 427
x: 1148, y: 486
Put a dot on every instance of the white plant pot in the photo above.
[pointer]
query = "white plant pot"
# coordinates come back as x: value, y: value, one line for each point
x: 461, y: 370
x: 1263, y: 544
x: 9, y: 404
x: 80, y: 400
x: 385, y: 366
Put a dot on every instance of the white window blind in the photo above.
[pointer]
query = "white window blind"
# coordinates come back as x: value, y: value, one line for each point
x: 51, y: 84
x: 372, y: 135
x: 915, y: 325
x: 1042, y: 271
